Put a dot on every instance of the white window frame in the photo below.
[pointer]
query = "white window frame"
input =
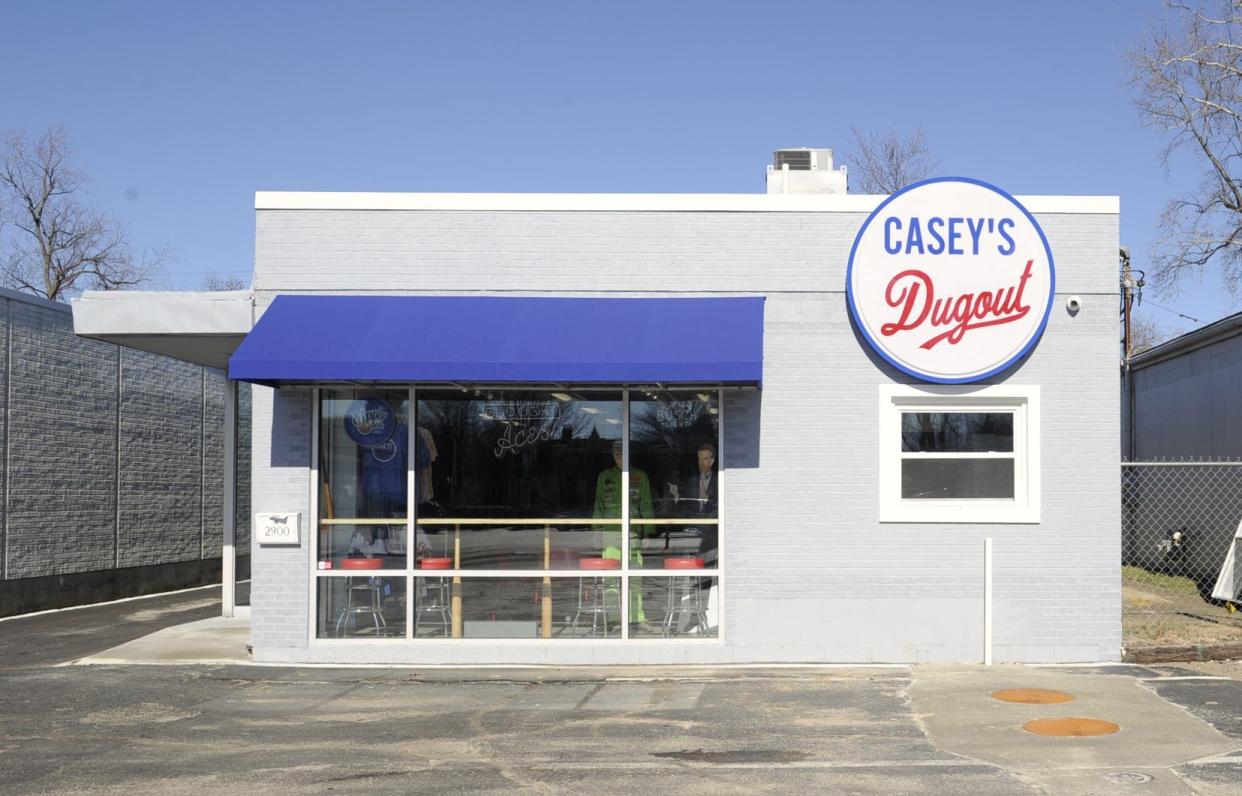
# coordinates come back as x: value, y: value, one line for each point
x: 1021, y: 400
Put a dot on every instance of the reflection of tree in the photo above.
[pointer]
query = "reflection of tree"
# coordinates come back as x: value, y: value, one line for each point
x: 934, y: 431
x: 675, y: 425
x: 510, y: 454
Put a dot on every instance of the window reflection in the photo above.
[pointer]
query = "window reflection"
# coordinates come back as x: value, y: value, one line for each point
x: 674, y: 457
x: 363, y: 445
x: 683, y: 606
x: 956, y: 432
x: 361, y: 606
x: 515, y: 454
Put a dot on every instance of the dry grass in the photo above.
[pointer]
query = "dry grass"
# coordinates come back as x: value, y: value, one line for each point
x: 1160, y: 609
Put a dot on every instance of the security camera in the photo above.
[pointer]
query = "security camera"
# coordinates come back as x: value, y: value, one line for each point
x: 1073, y: 304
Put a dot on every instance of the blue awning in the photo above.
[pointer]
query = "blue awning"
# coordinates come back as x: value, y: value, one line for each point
x: 504, y: 339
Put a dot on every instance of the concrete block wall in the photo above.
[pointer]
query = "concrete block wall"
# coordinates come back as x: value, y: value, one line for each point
x: 106, y: 463
x: 810, y: 572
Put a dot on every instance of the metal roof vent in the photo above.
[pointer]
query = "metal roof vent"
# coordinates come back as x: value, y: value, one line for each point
x: 796, y: 159
x: 805, y: 170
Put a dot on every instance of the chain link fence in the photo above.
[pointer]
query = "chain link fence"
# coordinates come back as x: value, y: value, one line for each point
x: 1178, y: 523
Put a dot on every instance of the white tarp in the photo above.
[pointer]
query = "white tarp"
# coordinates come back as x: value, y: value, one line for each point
x: 1229, y: 582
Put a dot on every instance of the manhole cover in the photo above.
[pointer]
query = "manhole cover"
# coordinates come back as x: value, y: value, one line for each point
x: 1128, y: 777
x: 1070, y: 727
x: 1032, y: 696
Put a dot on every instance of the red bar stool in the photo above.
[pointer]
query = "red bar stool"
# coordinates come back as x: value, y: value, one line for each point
x: 362, y: 598
x: 435, y: 594
x: 685, y: 598
x: 593, y: 595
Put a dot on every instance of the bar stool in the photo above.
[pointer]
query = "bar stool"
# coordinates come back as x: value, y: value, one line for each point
x: 593, y: 595
x: 436, y: 594
x: 685, y: 597
x: 362, y: 598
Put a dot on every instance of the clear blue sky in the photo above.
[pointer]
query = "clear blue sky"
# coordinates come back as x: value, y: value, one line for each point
x: 181, y: 111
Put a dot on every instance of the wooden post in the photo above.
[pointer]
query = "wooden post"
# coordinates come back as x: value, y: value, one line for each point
x: 457, y: 582
x: 547, y: 582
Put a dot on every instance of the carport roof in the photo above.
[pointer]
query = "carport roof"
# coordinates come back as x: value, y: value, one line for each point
x: 199, y: 327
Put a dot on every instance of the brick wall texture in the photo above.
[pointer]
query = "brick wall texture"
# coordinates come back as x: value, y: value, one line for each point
x: 810, y: 573
x: 112, y: 458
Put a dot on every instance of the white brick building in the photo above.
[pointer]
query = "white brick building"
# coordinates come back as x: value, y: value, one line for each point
x: 800, y: 565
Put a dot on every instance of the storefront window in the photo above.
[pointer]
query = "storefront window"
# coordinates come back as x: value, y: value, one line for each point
x: 678, y: 606
x: 361, y: 607
x: 479, y: 496
x: 363, y: 458
x: 513, y: 476
x: 674, y: 476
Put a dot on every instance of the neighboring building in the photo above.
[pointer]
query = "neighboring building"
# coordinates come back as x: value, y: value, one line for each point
x: 1179, y: 407
x: 111, y: 484
x: 590, y: 428
x: 1180, y: 399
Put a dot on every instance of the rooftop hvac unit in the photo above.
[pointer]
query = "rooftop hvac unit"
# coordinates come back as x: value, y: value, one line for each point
x: 798, y: 159
x: 805, y: 170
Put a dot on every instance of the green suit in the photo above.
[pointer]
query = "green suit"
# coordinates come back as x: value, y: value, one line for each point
x: 608, y: 506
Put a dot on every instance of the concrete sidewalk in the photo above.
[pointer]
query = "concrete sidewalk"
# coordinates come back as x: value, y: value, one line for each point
x: 216, y: 640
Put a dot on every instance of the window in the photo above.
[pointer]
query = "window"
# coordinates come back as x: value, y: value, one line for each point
x: 957, y: 454
x: 517, y: 513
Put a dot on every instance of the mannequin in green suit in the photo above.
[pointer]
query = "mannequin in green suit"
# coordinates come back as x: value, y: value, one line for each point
x: 608, y: 506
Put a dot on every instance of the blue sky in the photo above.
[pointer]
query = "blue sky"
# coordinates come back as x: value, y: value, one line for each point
x: 181, y: 111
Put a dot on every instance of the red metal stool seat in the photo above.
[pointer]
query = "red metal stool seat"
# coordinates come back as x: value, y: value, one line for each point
x: 685, y: 598
x: 599, y: 563
x: 362, y: 563
x: 594, y: 592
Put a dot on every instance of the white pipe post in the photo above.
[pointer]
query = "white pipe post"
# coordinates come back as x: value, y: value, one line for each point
x: 987, y: 601
x: 228, y: 556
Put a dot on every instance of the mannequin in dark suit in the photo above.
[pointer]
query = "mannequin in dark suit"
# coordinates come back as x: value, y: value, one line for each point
x: 700, y: 491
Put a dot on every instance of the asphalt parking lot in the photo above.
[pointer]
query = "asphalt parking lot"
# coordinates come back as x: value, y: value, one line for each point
x: 172, y: 729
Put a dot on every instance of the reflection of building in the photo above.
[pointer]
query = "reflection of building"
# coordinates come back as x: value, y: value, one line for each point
x: 661, y: 323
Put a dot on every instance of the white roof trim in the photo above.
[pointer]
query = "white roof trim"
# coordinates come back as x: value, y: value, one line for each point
x: 635, y: 202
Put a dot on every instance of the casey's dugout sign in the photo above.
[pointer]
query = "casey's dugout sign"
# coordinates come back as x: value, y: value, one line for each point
x: 951, y: 280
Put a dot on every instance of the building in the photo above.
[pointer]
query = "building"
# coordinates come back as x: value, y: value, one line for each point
x: 111, y: 483
x: 1178, y: 398
x: 587, y: 428
x: 1182, y: 443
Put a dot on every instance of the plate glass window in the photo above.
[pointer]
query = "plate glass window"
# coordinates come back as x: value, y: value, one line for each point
x: 500, y: 514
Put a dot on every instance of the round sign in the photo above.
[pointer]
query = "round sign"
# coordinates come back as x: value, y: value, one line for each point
x: 951, y: 280
x: 369, y: 421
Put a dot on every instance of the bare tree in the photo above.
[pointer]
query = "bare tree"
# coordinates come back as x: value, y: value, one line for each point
x: 1145, y: 334
x: 221, y: 282
x: 57, y: 246
x: 1188, y: 77
x: 888, y: 162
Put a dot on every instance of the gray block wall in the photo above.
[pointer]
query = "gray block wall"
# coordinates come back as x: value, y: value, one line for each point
x: 112, y: 463
x: 810, y: 574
